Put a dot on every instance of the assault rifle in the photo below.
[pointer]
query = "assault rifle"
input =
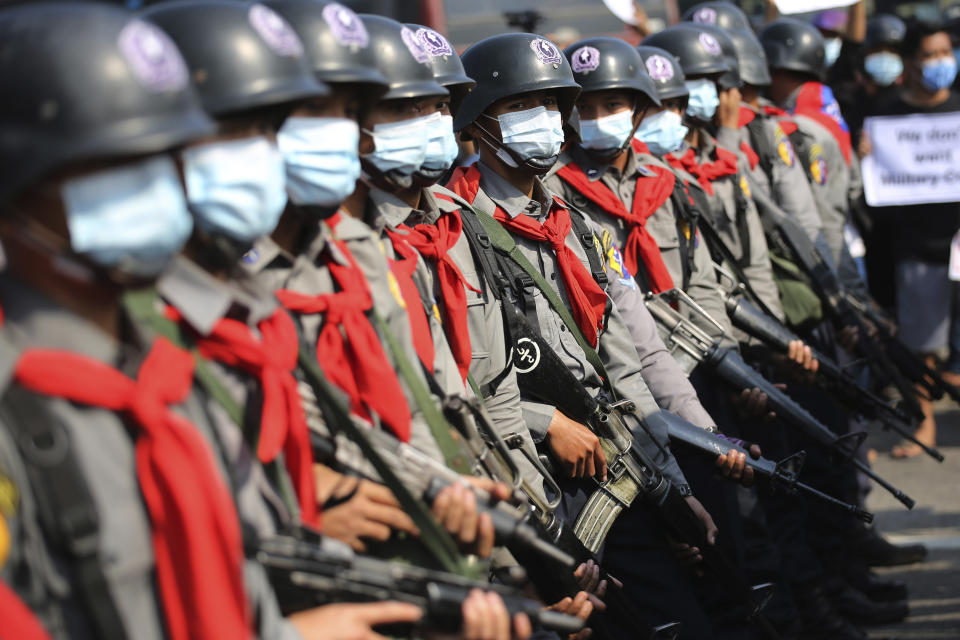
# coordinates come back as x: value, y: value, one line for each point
x: 684, y: 337
x: 789, y: 237
x: 631, y: 472
x: 427, y: 477
x: 912, y: 365
x: 830, y: 375
x: 782, y: 476
x: 309, y: 574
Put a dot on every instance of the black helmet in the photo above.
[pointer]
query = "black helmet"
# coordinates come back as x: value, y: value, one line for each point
x: 609, y: 63
x: 512, y: 63
x: 241, y: 56
x: 446, y: 64
x: 665, y: 71
x: 793, y: 45
x: 750, y: 55
x: 732, y: 78
x: 884, y: 29
x: 86, y: 81
x: 401, y: 59
x: 725, y: 15
x: 335, y: 42
x: 697, y: 51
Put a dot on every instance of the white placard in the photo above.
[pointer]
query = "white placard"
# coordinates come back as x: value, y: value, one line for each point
x: 915, y: 159
x: 623, y: 9
x: 787, y: 7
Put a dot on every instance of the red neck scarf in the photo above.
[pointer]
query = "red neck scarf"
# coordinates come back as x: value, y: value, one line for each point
x: 707, y: 172
x: 357, y: 365
x: 433, y: 241
x: 587, y: 300
x: 816, y: 101
x: 787, y: 125
x: 272, y: 358
x: 196, y: 533
x: 648, y: 196
x: 19, y: 623
x: 403, y: 270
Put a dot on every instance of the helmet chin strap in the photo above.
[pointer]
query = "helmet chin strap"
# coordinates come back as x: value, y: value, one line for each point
x: 389, y: 180
x: 538, y: 165
x: 428, y: 177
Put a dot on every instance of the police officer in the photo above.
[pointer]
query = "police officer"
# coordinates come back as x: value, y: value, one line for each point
x: 824, y: 146
x: 714, y: 94
x: 236, y: 191
x: 628, y: 192
x: 130, y: 529
x: 515, y: 115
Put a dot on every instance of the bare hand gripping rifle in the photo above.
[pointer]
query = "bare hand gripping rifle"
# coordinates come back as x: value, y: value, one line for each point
x: 781, y: 476
x: 695, y: 346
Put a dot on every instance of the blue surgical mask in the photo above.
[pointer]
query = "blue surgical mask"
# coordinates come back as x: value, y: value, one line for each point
x: 884, y: 67
x: 939, y: 73
x: 663, y: 132
x: 831, y: 50
x: 132, y: 218
x: 704, y: 100
x: 442, y: 147
x: 321, y: 158
x: 531, y: 134
x: 237, y: 188
x: 607, y: 133
x: 400, y: 147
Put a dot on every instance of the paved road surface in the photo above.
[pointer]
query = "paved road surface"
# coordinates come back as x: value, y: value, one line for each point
x: 935, y: 521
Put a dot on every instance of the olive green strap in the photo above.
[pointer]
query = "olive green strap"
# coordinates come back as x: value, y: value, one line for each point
x: 448, y: 441
x: 503, y: 241
x: 434, y: 537
x: 142, y: 305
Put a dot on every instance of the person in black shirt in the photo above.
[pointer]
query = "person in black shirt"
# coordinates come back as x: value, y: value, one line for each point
x: 922, y: 233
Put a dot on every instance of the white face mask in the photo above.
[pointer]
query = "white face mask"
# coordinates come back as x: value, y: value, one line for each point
x: 401, y: 147
x: 607, y: 133
x: 322, y: 160
x: 237, y: 188
x: 531, y: 135
x: 442, y: 147
x: 132, y: 218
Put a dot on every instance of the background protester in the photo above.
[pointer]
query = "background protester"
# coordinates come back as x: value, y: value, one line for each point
x: 923, y: 233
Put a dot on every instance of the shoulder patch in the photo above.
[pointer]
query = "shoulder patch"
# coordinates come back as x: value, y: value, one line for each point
x: 818, y: 165
x: 784, y: 147
x: 614, y: 259
x: 9, y: 505
x: 395, y: 290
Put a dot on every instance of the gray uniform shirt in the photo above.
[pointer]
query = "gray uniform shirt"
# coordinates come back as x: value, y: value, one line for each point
x: 616, y: 345
x: 835, y: 183
x: 723, y: 214
x: 101, y: 442
x: 306, y: 274
x: 662, y: 225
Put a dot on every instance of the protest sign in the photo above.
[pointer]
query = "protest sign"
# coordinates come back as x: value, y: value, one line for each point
x: 915, y: 159
x: 787, y: 7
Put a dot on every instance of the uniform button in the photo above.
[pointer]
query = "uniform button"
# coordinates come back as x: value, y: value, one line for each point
x: 563, y: 328
x: 553, y: 276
